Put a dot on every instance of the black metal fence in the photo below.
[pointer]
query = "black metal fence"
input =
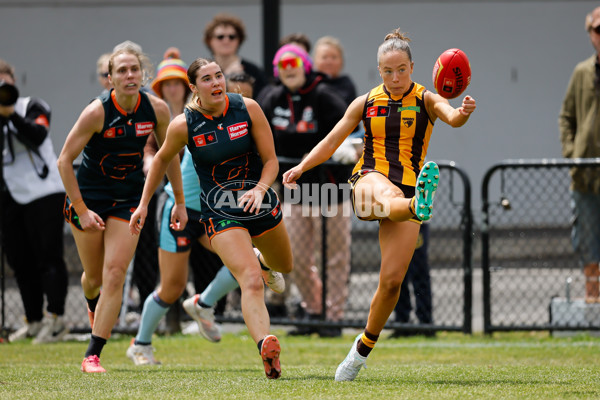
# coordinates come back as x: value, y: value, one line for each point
x: 532, y: 278
x: 450, y: 258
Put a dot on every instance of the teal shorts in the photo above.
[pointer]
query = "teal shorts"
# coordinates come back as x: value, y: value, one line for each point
x: 179, y: 241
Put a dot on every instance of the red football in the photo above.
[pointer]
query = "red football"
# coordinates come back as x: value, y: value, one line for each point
x: 451, y: 73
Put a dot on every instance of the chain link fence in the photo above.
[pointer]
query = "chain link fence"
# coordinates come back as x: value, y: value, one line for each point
x: 532, y: 277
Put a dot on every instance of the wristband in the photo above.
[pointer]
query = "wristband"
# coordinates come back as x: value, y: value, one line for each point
x: 179, y: 197
x: 79, y: 206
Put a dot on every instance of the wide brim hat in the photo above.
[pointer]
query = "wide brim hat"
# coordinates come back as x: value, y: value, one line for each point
x: 170, y: 68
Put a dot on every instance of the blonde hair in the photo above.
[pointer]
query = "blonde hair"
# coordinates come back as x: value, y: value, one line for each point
x: 396, y: 40
x: 330, y: 41
x: 145, y: 63
x: 101, y: 60
x: 6, y: 68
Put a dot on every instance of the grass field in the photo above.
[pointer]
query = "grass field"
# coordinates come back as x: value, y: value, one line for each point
x: 451, y: 366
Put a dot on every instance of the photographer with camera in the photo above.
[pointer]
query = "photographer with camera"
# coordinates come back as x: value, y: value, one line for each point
x: 32, y: 221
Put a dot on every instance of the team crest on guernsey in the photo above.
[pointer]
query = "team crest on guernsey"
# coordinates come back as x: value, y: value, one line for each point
x: 205, y: 139
x: 114, y: 132
x: 378, y: 111
x: 238, y: 130
x: 407, y: 121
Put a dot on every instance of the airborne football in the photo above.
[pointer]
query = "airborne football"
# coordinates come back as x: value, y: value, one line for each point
x: 451, y: 73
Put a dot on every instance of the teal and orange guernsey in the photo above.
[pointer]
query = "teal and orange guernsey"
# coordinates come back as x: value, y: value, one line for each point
x: 111, y: 168
x: 225, y: 157
x: 397, y: 133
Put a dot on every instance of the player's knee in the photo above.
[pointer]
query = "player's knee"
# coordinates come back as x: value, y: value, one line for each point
x: 92, y: 281
x: 171, y: 293
x: 390, y: 287
x: 251, y: 283
x: 114, y: 276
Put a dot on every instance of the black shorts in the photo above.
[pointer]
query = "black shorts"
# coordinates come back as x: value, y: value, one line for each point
x: 409, y: 191
x: 122, y: 210
x: 216, y: 224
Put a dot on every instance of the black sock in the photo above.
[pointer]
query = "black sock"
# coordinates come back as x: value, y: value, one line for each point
x: 95, y: 346
x: 92, y: 303
x: 362, y: 348
x: 262, y: 266
x: 203, y: 305
x: 260, y: 342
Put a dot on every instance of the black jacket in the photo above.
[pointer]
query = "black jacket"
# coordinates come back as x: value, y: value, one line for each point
x: 300, y: 120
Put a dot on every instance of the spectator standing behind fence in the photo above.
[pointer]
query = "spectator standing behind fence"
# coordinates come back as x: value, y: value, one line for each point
x: 241, y: 83
x: 111, y: 132
x: 232, y: 148
x: 329, y: 59
x: 223, y: 36
x: 385, y: 177
x: 102, y: 71
x: 418, y: 276
x: 301, y: 110
x: 32, y: 225
x: 579, y: 125
x: 298, y: 38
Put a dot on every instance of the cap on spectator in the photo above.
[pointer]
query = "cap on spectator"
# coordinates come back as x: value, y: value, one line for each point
x: 172, y: 67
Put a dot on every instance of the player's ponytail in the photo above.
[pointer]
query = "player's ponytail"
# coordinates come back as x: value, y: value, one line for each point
x: 396, y: 40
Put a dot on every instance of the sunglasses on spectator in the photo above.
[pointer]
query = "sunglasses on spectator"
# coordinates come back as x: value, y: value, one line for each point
x: 596, y: 29
x: 103, y: 74
x: 290, y: 63
x: 231, y: 37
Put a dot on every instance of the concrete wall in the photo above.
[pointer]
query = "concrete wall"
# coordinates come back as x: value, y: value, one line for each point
x: 522, y: 54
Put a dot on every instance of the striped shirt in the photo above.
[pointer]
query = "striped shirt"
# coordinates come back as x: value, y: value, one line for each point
x: 397, y: 133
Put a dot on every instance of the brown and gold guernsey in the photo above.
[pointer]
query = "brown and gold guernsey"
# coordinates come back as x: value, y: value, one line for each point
x: 397, y: 133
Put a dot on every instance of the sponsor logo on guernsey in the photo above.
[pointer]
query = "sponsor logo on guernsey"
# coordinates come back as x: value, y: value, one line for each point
x: 115, y: 132
x: 205, y: 139
x: 378, y: 111
x: 238, y: 130
x: 143, y: 128
x: 409, y: 108
x: 200, y: 125
x: 114, y: 121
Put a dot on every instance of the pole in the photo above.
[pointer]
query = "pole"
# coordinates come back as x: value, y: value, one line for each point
x: 270, y: 23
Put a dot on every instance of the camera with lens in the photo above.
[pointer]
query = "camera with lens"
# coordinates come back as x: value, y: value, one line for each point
x: 8, y: 94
